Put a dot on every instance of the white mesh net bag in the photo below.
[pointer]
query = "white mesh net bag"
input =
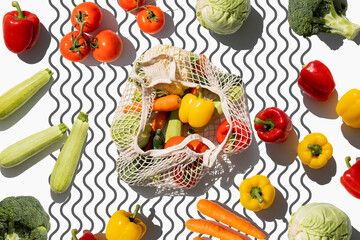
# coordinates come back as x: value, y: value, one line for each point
x: 174, y: 71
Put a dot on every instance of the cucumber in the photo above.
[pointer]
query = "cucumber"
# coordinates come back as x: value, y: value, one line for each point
x: 144, y: 136
x: 69, y: 156
x: 17, y: 96
x: 31, y: 145
x: 159, y: 139
x: 174, y: 127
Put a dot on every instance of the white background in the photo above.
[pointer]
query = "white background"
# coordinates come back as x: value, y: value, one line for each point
x: 262, y: 53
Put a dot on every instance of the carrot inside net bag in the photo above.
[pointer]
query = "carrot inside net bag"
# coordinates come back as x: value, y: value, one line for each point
x: 165, y: 70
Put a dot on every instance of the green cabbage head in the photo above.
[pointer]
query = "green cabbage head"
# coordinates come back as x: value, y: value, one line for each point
x: 222, y: 16
x: 319, y: 221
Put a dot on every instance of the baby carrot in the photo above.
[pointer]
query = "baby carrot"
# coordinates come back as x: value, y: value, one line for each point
x: 198, y: 238
x: 134, y: 107
x: 167, y: 103
x: 215, y: 211
x: 211, y: 228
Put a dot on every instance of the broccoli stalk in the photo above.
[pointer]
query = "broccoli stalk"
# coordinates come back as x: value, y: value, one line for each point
x: 310, y: 17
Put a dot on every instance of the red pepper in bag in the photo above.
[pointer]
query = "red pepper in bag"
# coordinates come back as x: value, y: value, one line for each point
x: 273, y: 125
x: 316, y: 81
x: 21, y: 29
x: 240, y: 137
x: 351, y: 178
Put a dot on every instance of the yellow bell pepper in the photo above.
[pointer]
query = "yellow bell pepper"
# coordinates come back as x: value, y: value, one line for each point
x: 124, y: 225
x: 196, y: 111
x: 315, y: 150
x: 256, y: 193
x: 348, y: 108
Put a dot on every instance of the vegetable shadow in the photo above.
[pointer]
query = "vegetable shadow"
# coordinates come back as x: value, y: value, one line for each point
x: 284, y: 153
x: 277, y: 210
x: 352, y: 135
x: 334, y: 41
x: 153, y: 231
x: 322, y: 175
x: 226, y: 169
x: 325, y: 109
x: 37, y: 53
x: 22, y: 111
x: 355, y: 234
x: 248, y: 34
x: 168, y: 28
x: 19, y: 169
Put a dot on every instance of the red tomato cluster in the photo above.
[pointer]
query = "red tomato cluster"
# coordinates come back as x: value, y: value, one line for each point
x: 76, y: 46
x: 150, y: 19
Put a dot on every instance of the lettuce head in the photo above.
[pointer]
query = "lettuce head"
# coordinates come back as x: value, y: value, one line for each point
x: 319, y: 221
x: 222, y: 16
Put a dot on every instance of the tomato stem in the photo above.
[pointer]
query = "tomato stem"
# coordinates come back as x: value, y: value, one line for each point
x: 151, y: 14
x: 20, y: 13
x: 79, y: 18
x: 75, y: 41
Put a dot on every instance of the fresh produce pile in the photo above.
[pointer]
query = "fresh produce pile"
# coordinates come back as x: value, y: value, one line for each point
x: 176, y: 115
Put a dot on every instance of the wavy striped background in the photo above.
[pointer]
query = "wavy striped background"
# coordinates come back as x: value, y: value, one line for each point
x: 264, y: 52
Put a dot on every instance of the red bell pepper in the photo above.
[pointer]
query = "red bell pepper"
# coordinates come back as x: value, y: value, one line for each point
x: 21, y: 29
x: 351, y: 178
x: 316, y: 81
x: 188, y: 176
x: 273, y: 125
x: 240, y: 137
x: 86, y: 236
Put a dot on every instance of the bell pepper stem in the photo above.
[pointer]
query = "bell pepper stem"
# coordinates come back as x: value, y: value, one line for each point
x: 201, y: 95
x: 316, y: 149
x: 73, y: 234
x: 20, y: 13
x: 256, y: 193
x: 347, y: 160
x: 132, y: 218
x: 268, y: 124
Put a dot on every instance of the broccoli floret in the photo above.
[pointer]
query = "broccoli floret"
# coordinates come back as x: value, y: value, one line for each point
x: 310, y: 17
x: 23, y: 218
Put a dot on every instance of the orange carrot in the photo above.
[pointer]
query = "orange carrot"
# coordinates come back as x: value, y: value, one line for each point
x: 215, y: 211
x: 212, y: 228
x: 159, y: 120
x: 198, y: 238
x: 167, y: 103
x: 134, y: 107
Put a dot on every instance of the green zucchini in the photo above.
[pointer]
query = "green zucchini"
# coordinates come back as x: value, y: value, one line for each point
x: 17, y: 96
x: 174, y: 127
x: 69, y: 156
x: 144, y: 136
x: 159, y: 139
x: 31, y: 145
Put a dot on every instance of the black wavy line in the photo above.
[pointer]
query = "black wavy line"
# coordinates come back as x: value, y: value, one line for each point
x: 85, y: 93
x: 181, y: 219
x: 62, y: 92
x: 53, y: 231
x: 263, y: 72
x: 156, y: 216
x: 178, y: 23
x: 282, y: 186
x: 206, y: 41
x: 292, y: 185
x: 97, y: 147
x: 73, y: 91
x: 64, y: 216
x: 270, y: 53
x: 188, y: 206
x: 285, y: 229
x: 76, y: 203
x: 188, y: 26
x: 112, y: 8
x: 133, y: 36
x: 222, y: 60
x: 111, y: 97
x: 108, y: 177
x: 307, y: 189
x: 126, y: 193
x: 234, y: 63
x: 168, y: 217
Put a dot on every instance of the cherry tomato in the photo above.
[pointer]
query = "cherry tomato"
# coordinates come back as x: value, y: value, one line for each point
x: 108, y: 46
x: 79, y: 51
x: 151, y: 19
x: 128, y: 5
x: 89, y: 12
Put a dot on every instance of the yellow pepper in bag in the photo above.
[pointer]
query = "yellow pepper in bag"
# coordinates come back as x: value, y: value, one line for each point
x: 124, y: 225
x: 315, y: 150
x: 256, y: 193
x: 348, y: 108
x: 196, y: 111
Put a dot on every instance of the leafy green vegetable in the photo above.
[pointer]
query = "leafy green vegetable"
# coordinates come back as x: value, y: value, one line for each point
x: 222, y: 16
x: 310, y: 17
x: 23, y: 218
x: 319, y: 221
